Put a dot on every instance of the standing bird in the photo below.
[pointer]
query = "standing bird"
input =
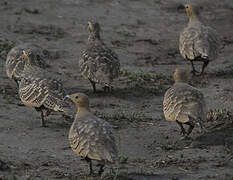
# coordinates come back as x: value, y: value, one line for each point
x: 40, y: 89
x: 184, y: 104
x: 197, y: 41
x: 15, y: 63
x: 91, y: 137
x: 98, y: 63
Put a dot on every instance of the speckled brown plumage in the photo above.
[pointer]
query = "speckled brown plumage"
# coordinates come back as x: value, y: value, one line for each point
x: 98, y: 63
x: 91, y: 137
x: 15, y: 64
x: 198, y: 42
x: 42, y: 90
x: 184, y: 104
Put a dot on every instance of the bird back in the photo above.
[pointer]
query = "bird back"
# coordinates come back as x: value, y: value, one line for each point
x: 93, y: 138
x: 199, y: 41
x: 39, y: 87
x: 99, y: 63
x: 184, y: 103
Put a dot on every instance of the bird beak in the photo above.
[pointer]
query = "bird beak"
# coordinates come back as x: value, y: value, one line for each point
x: 67, y: 97
x: 24, y: 54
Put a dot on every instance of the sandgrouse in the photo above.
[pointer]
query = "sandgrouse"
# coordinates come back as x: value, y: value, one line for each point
x: 184, y: 104
x: 90, y: 137
x: 198, y: 42
x: 42, y: 90
x: 98, y: 63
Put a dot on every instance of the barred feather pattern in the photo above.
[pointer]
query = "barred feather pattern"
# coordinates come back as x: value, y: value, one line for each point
x: 99, y: 64
x: 15, y: 64
x: 184, y: 103
x: 94, y: 138
x: 199, y: 41
x: 41, y: 88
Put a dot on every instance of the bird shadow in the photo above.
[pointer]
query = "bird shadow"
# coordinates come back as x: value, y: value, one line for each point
x: 129, y: 93
x: 222, y: 136
x: 137, y: 176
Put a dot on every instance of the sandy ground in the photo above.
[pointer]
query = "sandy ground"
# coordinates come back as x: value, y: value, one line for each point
x: 145, y: 36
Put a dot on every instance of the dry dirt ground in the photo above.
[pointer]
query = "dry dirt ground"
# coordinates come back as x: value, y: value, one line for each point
x: 145, y: 36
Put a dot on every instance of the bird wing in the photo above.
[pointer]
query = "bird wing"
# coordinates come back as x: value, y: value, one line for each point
x: 38, y: 87
x: 99, y: 63
x: 208, y: 43
x: 199, y: 41
x: 183, y: 102
x: 14, y: 66
x: 93, y: 138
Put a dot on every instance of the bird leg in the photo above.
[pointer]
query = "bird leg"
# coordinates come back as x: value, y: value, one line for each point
x: 42, y: 119
x: 17, y: 82
x: 202, y: 129
x: 205, y: 63
x: 48, y: 112
x: 90, y: 165
x: 107, y: 88
x: 93, y: 85
x: 191, y: 126
x: 182, y: 128
x: 42, y: 116
x: 194, y: 71
x: 101, y: 170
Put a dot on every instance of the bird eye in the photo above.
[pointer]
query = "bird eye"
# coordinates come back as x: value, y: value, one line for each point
x: 76, y: 97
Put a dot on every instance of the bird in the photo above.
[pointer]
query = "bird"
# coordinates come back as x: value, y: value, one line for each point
x: 42, y: 90
x: 90, y: 137
x: 184, y: 104
x: 198, y: 42
x: 98, y: 63
x: 15, y: 64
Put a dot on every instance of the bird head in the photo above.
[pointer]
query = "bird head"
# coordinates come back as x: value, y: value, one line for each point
x: 94, y: 29
x: 80, y: 99
x: 191, y: 10
x: 26, y: 56
x: 30, y: 58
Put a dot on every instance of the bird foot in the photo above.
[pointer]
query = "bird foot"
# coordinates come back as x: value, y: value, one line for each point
x: 97, y: 92
x: 183, y: 133
x: 44, y: 125
x: 201, y: 74
x: 195, y: 73
x: 101, y: 169
x: 185, y: 138
x: 108, y: 89
x: 100, y: 172
x: 20, y: 104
